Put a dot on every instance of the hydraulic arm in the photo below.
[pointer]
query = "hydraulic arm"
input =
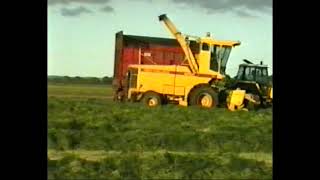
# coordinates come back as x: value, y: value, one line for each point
x: 182, y: 41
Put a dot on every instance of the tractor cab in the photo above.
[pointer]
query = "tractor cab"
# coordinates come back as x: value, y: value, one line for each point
x: 250, y: 72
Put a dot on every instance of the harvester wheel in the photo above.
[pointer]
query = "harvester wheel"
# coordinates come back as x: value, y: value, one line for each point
x: 152, y: 99
x: 203, y: 96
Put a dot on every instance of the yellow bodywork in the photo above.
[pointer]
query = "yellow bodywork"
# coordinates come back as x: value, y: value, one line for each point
x: 235, y: 100
x: 171, y: 80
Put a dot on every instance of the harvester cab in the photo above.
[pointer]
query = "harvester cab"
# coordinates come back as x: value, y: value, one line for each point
x: 252, y: 79
x: 212, y: 55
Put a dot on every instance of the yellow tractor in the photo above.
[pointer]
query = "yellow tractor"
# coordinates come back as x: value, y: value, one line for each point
x: 193, y: 84
x: 252, y: 87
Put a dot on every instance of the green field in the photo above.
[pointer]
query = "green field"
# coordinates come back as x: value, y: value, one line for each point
x: 92, y: 137
x: 79, y: 91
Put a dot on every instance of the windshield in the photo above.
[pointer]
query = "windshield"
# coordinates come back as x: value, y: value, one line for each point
x: 240, y: 73
x: 253, y: 73
x: 219, y: 56
x: 262, y: 75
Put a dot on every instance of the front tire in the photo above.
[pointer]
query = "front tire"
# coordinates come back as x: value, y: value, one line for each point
x: 203, y: 96
x: 152, y: 99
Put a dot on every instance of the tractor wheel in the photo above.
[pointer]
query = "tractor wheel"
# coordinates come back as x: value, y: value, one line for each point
x: 152, y: 99
x: 204, y: 97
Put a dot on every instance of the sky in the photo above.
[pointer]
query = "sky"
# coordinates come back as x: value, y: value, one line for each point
x: 81, y: 33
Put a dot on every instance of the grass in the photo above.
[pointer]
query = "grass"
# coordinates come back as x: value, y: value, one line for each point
x: 95, y: 138
x: 77, y: 90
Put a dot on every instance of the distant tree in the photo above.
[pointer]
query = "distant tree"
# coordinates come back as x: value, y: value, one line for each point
x: 66, y: 79
x: 94, y: 80
x: 106, y: 80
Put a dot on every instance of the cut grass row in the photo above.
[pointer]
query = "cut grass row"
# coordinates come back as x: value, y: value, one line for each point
x: 156, y: 165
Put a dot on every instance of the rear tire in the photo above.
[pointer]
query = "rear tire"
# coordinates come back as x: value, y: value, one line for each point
x: 152, y: 99
x: 203, y: 96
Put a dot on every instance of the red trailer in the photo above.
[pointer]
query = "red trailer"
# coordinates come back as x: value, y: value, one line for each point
x: 131, y: 49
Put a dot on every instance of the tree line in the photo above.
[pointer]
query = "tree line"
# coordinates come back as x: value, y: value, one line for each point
x: 79, y: 80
